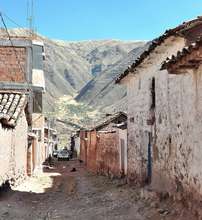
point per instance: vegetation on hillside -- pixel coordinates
(76, 115)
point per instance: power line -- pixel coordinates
(14, 22)
(9, 37)
(11, 20)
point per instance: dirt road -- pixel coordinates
(58, 193)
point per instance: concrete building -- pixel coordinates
(17, 98)
(164, 113)
(104, 148)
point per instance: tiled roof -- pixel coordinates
(180, 54)
(156, 42)
(11, 106)
(104, 122)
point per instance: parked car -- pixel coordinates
(55, 153)
(63, 155)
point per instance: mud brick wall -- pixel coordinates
(29, 161)
(177, 161)
(83, 148)
(108, 158)
(139, 108)
(13, 152)
(123, 136)
(92, 151)
(77, 146)
(38, 123)
(12, 64)
(176, 131)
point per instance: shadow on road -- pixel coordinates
(53, 179)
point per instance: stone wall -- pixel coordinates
(13, 151)
(12, 64)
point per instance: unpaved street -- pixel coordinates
(58, 193)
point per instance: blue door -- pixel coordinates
(149, 163)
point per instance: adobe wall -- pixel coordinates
(139, 102)
(38, 123)
(177, 164)
(20, 137)
(13, 151)
(108, 154)
(176, 132)
(12, 64)
(92, 151)
(83, 148)
(123, 135)
(77, 146)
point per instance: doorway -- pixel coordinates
(149, 158)
(123, 156)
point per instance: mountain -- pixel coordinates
(84, 69)
(101, 90)
(71, 65)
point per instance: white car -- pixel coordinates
(55, 153)
(63, 155)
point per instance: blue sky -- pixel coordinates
(103, 19)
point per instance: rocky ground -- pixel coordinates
(58, 193)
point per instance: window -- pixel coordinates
(38, 57)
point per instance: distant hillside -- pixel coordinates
(85, 70)
(71, 66)
(101, 90)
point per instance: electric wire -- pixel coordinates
(14, 22)
(9, 37)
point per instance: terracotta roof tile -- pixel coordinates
(180, 54)
(107, 120)
(156, 42)
(11, 106)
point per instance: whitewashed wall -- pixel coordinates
(139, 101)
(123, 135)
(77, 146)
(13, 151)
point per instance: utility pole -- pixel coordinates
(30, 17)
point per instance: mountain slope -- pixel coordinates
(101, 91)
(89, 66)
(71, 65)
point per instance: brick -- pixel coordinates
(9, 65)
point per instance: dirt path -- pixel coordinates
(58, 193)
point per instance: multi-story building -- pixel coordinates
(21, 89)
